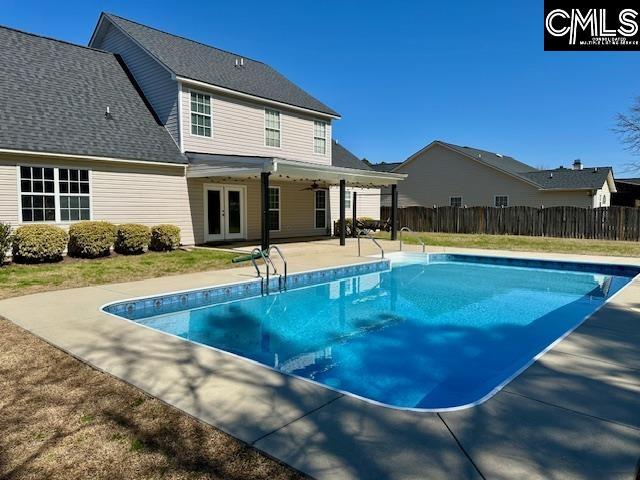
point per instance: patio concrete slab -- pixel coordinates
(350, 438)
(511, 436)
(580, 384)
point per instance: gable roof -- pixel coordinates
(341, 157)
(197, 61)
(554, 179)
(385, 167)
(54, 97)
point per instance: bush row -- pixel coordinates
(89, 239)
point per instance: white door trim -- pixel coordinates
(224, 224)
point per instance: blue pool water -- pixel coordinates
(430, 333)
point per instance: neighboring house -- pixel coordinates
(627, 194)
(446, 174)
(149, 127)
(367, 199)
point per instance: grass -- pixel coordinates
(522, 243)
(63, 419)
(18, 279)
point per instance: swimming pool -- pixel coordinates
(424, 332)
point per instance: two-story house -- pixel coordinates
(144, 126)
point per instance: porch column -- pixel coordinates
(394, 212)
(264, 190)
(343, 229)
(354, 204)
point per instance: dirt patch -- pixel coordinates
(60, 418)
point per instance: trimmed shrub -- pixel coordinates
(91, 239)
(5, 240)
(164, 238)
(39, 243)
(132, 238)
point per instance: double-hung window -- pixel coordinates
(200, 114)
(49, 194)
(347, 199)
(271, 128)
(455, 201)
(320, 137)
(274, 208)
(321, 209)
(501, 201)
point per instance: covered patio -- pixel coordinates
(241, 198)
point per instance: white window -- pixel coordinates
(455, 201)
(41, 201)
(271, 128)
(347, 199)
(501, 201)
(320, 137)
(274, 208)
(321, 209)
(200, 114)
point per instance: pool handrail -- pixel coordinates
(407, 229)
(363, 233)
(257, 253)
(275, 271)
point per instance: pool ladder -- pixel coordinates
(407, 229)
(268, 263)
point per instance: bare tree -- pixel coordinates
(628, 129)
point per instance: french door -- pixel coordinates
(224, 212)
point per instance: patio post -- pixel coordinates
(264, 187)
(354, 204)
(394, 212)
(343, 227)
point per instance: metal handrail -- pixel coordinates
(266, 264)
(284, 262)
(407, 229)
(359, 234)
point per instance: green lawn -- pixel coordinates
(24, 279)
(521, 243)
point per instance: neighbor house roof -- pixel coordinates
(568, 179)
(555, 179)
(384, 166)
(341, 157)
(632, 181)
(197, 61)
(54, 97)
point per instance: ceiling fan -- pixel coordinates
(313, 187)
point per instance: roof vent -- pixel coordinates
(550, 174)
(107, 113)
(499, 155)
(577, 164)
(595, 169)
(239, 62)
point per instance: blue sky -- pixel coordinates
(404, 73)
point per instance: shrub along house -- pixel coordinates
(147, 127)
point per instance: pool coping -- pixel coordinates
(389, 261)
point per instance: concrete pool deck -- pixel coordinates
(574, 413)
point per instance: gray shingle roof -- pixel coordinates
(341, 157)
(385, 167)
(197, 61)
(54, 95)
(503, 162)
(569, 179)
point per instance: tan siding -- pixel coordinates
(120, 193)
(367, 204)
(439, 173)
(238, 129)
(296, 209)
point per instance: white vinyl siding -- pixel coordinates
(239, 129)
(320, 137)
(154, 80)
(200, 114)
(271, 128)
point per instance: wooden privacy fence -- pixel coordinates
(606, 223)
